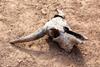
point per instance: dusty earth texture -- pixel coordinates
(22, 17)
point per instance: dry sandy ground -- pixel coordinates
(21, 17)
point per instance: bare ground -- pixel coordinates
(21, 17)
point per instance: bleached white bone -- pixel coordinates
(58, 23)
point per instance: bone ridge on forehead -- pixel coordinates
(57, 23)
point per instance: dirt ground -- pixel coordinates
(22, 17)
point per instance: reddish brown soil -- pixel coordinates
(21, 17)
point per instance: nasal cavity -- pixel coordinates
(54, 33)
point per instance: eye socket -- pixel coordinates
(66, 29)
(54, 33)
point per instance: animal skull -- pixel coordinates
(59, 30)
